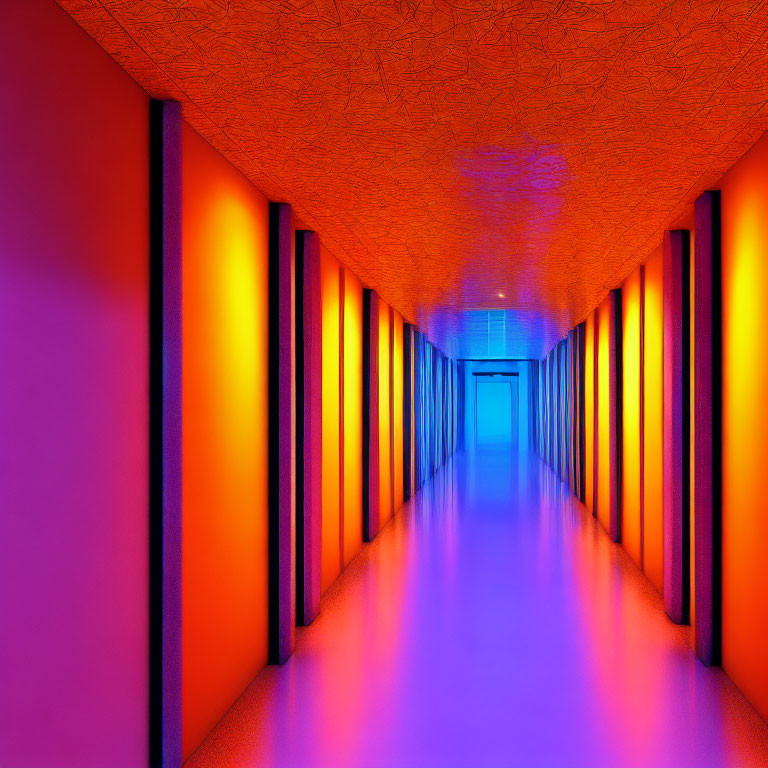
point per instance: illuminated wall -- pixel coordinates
(606, 415)
(744, 546)
(745, 424)
(385, 416)
(397, 410)
(353, 410)
(653, 403)
(434, 405)
(74, 245)
(225, 240)
(331, 526)
(560, 435)
(590, 351)
(632, 413)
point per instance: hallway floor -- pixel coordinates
(491, 623)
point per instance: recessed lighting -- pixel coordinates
(500, 295)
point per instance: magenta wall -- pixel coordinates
(73, 398)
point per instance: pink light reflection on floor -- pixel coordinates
(491, 623)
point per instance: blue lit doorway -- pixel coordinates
(496, 410)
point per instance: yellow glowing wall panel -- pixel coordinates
(385, 498)
(745, 424)
(331, 532)
(653, 405)
(397, 420)
(353, 408)
(225, 416)
(631, 490)
(589, 411)
(603, 490)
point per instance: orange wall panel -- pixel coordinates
(331, 531)
(631, 349)
(384, 415)
(745, 424)
(353, 410)
(589, 411)
(653, 404)
(397, 421)
(225, 361)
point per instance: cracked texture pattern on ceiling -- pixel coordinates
(503, 154)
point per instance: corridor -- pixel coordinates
(491, 623)
(383, 384)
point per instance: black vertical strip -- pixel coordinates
(366, 411)
(165, 445)
(461, 406)
(273, 439)
(619, 415)
(407, 407)
(686, 484)
(717, 432)
(301, 544)
(156, 433)
(418, 407)
(595, 425)
(581, 372)
(433, 426)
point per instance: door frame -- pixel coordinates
(504, 375)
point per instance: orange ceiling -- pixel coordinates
(508, 154)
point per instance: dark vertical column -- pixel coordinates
(433, 409)
(407, 411)
(548, 408)
(536, 374)
(391, 409)
(615, 413)
(571, 420)
(675, 477)
(557, 406)
(565, 379)
(545, 409)
(342, 292)
(582, 435)
(445, 403)
(554, 454)
(282, 440)
(371, 472)
(556, 409)
(707, 426)
(309, 403)
(418, 407)
(536, 367)
(165, 433)
(596, 414)
(461, 407)
(553, 356)
(563, 398)
(452, 406)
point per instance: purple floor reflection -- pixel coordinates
(491, 623)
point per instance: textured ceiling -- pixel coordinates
(509, 154)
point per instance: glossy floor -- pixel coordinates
(491, 623)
